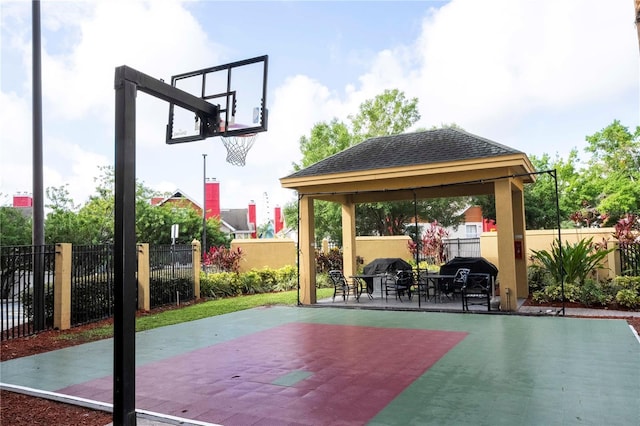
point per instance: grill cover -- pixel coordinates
(476, 265)
(383, 265)
(386, 264)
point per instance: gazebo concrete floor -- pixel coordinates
(320, 366)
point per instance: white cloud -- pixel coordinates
(15, 150)
(494, 65)
(483, 62)
(506, 70)
(154, 37)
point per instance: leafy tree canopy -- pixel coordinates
(92, 223)
(389, 113)
(611, 178)
(601, 190)
(15, 228)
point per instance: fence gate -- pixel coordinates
(629, 259)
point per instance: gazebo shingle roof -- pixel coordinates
(408, 149)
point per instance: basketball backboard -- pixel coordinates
(239, 89)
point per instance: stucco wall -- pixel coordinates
(276, 253)
(542, 240)
(269, 252)
(370, 248)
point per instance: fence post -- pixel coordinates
(613, 258)
(62, 287)
(144, 296)
(325, 246)
(196, 268)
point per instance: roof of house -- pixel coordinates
(235, 219)
(177, 194)
(428, 147)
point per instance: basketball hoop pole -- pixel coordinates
(127, 82)
(204, 206)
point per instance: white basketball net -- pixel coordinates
(237, 147)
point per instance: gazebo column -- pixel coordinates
(506, 252)
(520, 239)
(349, 265)
(307, 264)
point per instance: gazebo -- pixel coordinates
(430, 164)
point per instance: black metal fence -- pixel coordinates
(19, 310)
(92, 281)
(171, 276)
(629, 259)
(462, 247)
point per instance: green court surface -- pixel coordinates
(493, 369)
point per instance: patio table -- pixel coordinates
(434, 279)
(364, 281)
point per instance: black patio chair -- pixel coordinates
(398, 284)
(449, 287)
(476, 291)
(341, 286)
(423, 285)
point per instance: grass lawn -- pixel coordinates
(198, 311)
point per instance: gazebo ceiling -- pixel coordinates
(434, 163)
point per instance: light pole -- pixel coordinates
(204, 205)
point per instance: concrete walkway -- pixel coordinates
(311, 366)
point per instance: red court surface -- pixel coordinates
(296, 373)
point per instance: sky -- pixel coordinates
(538, 76)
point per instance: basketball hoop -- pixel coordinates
(237, 147)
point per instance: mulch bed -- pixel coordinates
(22, 410)
(18, 410)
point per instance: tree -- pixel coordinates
(325, 140)
(215, 237)
(62, 224)
(389, 113)
(386, 114)
(15, 228)
(539, 197)
(611, 180)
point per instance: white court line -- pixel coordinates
(101, 406)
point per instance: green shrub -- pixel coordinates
(286, 278)
(91, 300)
(553, 293)
(631, 283)
(593, 293)
(287, 273)
(164, 291)
(628, 294)
(323, 281)
(226, 284)
(219, 284)
(628, 298)
(251, 282)
(26, 298)
(576, 263)
(268, 278)
(424, 265)
(538, 278)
